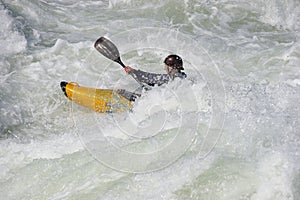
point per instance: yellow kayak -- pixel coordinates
(99, 100)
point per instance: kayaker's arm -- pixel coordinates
(150, 79)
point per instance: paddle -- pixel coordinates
(109, 50)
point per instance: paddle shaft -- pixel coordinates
(118, 60)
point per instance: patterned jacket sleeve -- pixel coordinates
(150, 79)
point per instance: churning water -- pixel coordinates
(230, 131)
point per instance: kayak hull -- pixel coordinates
(99, 100)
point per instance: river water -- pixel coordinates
(230, 131)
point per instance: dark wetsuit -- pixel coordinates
(153, 79)
(148, 79)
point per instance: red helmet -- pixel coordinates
(174, 61)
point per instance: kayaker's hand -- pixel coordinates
(127, 69)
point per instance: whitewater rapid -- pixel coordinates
(230, 131)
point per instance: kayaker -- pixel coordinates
(173, 68)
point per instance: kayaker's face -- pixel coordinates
(168, 69)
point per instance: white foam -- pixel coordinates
(282, 14)
(274, 177)
(294, 83)
(11, 41)
(113, 3)
(16, 155)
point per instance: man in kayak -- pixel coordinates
(173, 68)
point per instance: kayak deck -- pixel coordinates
(99, 100)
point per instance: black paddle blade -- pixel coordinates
(108, 49)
